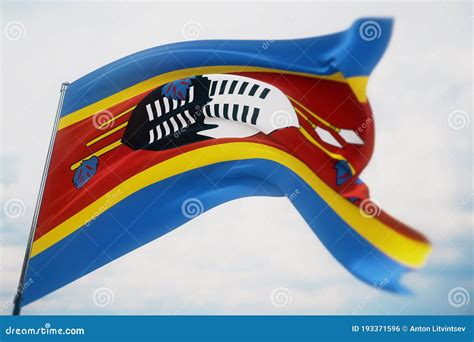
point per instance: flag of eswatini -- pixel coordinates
(152, 140)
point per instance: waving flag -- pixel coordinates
(154, 139)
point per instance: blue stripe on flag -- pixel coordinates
(353, 52)
(104, 239)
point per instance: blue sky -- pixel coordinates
(233, 258)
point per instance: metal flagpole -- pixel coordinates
(21, 283)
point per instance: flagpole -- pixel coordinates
(21, 283)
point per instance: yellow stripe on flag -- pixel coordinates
(405, 250)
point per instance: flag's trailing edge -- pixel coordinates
(150, 141)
